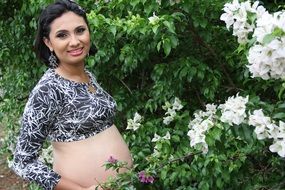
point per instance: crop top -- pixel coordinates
(59, 110)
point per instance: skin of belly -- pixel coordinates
(82, 161)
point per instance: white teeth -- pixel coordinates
(75, 51)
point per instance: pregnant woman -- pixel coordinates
(69, 108)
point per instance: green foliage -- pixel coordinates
(188, 53)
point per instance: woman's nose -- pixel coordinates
(74, 41)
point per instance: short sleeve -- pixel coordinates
(35, 125)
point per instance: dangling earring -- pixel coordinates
(52, 60)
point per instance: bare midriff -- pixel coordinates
(82, 161)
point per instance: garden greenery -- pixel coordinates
(198, 107)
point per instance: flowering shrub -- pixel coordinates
(267, 37)
(213, 139)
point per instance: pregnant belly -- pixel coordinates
(82, 161)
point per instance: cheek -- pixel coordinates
(87, 41)
(60, 46)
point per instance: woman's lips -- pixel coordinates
(76, 52)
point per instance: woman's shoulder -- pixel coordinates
(47, 85)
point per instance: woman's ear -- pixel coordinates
(47, 43)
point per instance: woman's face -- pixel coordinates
(69, 38)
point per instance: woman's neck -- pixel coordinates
(75, 73)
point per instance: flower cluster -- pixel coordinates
(112, 160)
(145, 178)
(265, 128)
(159, 138)
(233, 110)
(202, 122)
(266, 56)
(268, 60)
(171, 110)
(134, 124)
(238, 16)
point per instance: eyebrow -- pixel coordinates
(64, 31)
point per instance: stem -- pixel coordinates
(180, 158)
(199, 99)
(125, 85)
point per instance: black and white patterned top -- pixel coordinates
(59, 110)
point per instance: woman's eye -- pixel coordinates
(61, 35)
(80, 30)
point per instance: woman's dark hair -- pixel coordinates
(48, 15)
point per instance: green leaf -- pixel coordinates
(158, 46)
(175, 138)
(163, 174)
(268, 38)
(155, 28)
(280, 115)
(113, 29)
(170, 26)
(166, 46)
(174, 41)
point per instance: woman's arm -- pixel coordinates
(35, 127)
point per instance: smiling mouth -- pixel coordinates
(76, 52)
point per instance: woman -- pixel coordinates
(69, 108)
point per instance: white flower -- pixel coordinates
(230, 9)
(177, 104)
(260, 121)
(134, 124)
(206, 125)
(171, 110)
(156, 138)
(272, 130)
(153, 19)
(197, 140)
(196, 137)
(200, 125)
(261, 132)
(264, 26)
(155, 152)
(137, 118)
(279, 147)
(211, 109)
(167, 120)
(167, 136)
(204, 148)
(159, 138)
(233, 110)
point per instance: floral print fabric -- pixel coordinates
(59, 110)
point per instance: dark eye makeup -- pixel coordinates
(80, 29)
(63, 33)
